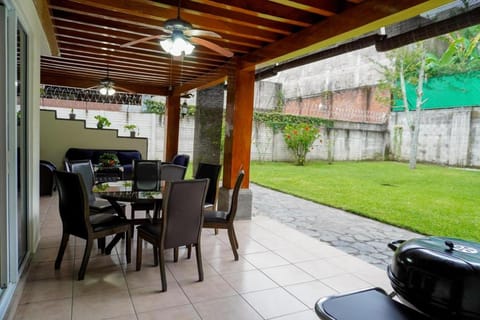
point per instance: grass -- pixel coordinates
(431, 200)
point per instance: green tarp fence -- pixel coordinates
(453, 91)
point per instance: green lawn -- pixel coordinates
(431, 199)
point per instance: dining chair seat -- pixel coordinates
(216, 216)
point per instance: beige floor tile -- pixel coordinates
(231, 308)
(321, 269)
(152, 298)
(346, 283)
(147, 277)
(187, 269)
(226, 265)
(322, 250)
(45, 310)
(106, 281)
(310, 292)
(287, 275)
(176, 313)
(126, 317)
(46, 270)
(265, 260)
(304, 315)
(102, 306)
(249, 281)
(250, 246)
(209, 289)
(295, 254)
(50, 254)
(47, 289)
(274, 302)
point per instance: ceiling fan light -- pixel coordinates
(189, 48)
(110, 91)
(103, 90)
(166, 45)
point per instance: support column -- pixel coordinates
(238, 139)
(208, 126)
(172, 124)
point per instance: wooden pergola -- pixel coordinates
(87, 38)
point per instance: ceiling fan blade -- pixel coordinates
(204, 33)
(122, 89)
(92, 88)
(131, 43)
(212, 46)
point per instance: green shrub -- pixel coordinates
(299, 139)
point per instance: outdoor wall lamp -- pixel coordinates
(184, 109)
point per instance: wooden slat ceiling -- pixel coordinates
(90, 34)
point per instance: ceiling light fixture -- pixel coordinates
(177, 44)
(107, 87)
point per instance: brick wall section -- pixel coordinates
(355, 105)
(82, 105)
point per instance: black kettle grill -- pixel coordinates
(437, 277)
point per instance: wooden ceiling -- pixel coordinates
(86, 37)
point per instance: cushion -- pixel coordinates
(126, 157)
(215, 216)
(79, 154)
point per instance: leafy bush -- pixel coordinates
(299, 139)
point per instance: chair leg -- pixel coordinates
(163, 276)
(216, 231)
(101, 244)
(61, 250)
(235, 237)
(198, 253)
(189, 253)
(138, 265)
(175, 254)
(233, 242)
(155, 255)
(86, 257)
(128, 249)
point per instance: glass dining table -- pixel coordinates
(122, 191)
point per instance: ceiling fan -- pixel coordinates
(180, 37)
(107, 87)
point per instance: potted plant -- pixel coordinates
(102, 121)
(132, 128)
(71, 115)
(108, 160)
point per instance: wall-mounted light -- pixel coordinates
(177, 44)
(184, 109)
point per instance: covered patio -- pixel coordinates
(114, 44)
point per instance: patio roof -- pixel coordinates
(87, 37)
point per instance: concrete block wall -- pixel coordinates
(447, 136)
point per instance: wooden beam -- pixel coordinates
(43, 13)
(366, 17)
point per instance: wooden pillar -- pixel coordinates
(238, 127)
(172, 124)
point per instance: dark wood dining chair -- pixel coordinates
(224, 219)
(212, 172)
(85, 169)
(77, 220)
(172, 172)
(146, 177)
(180, 225)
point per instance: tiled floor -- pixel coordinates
(280, 275)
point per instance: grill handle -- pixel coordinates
(394, 244)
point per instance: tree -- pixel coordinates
(299, 139)
(407, 64)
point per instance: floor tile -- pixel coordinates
(47, 289)
(152, 298)
(231, 308)
(304, 315)
(176, 313)
(249, 281)
(310, 292)
(100, 306)
(287, 275)
(45, 310)
(274, 302)
(320, 269)
(265, 259)
(346, 282)
(226, 265)
(208, 289)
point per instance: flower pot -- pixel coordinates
(132, 134)
(72, 116)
